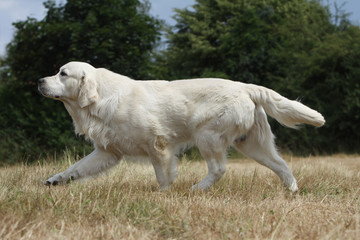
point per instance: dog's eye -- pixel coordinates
(63, 74)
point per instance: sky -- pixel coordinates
(17, 10)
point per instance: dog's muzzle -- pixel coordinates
(42, 89)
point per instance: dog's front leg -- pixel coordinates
(93, 164)
(165, 170)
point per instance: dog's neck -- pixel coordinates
(93, 121)
(77, 114)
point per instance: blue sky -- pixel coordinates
(15, 10)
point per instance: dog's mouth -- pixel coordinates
(46, 93)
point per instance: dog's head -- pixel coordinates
(75, 81)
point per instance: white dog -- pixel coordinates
(157, 119)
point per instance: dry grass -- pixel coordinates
(248, 203)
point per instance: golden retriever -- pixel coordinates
(156, 119)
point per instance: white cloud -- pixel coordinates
(6, 4)
(164, 9)
(13, 11)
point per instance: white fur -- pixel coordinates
(157, 119)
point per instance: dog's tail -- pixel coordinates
(287, 112)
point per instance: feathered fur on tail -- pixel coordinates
(287, 112)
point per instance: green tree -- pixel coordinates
(117, 34)
(296, 47)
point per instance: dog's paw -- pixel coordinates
(201, 186)
(55, 180)
(293, 187)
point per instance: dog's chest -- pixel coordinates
(119, 137)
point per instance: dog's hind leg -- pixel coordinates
(259, 145)
(213, 149)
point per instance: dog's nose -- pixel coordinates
(41, 80)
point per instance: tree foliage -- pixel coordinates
(116, 34)
(295, 47)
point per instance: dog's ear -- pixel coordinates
(88, 93)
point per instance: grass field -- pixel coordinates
(249, 202)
